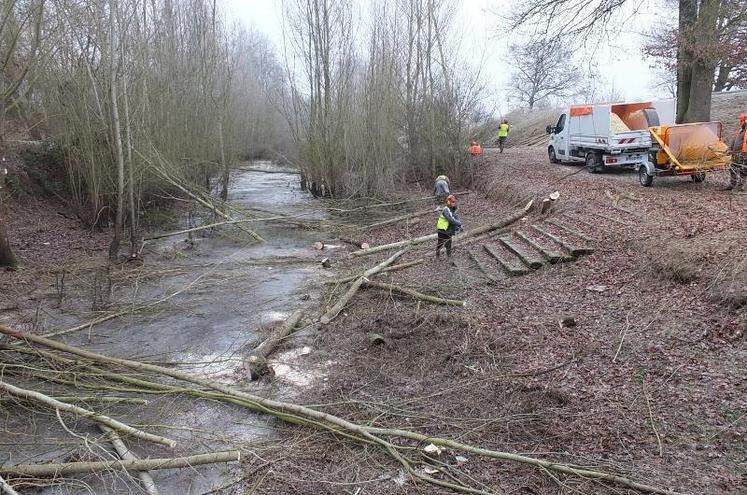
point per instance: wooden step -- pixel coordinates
(483, 269)
(574, 232)
(551, 255)
(574, 250)
(526, 257)
(512, 268)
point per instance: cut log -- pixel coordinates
(353, 242)
(332, 313)
(318, 245)
(388, 269)
(483, 269)
(256, 363)
(525, 256)
(570, 230)
(513, 269)
(415, 294)
(573, 250)
(431, 237)
(70, 408)
(401, 218)
(124, 453)
(70, 468)
(545, 207)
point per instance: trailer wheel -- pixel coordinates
(643, 176)
(551, 155)
(698, 177)
(594, 162)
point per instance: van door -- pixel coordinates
(560, 138)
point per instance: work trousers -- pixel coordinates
(501, 142)
(444, 239)
(738, 171)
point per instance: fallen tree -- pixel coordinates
(515, 217)
(68, 468)
(256, 363)
(73, 409)
(307, 416)
(124, 453)
(392, 268)
(414, 294)
(332, 313)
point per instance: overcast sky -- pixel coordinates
(620, 61)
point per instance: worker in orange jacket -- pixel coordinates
(475, 149)
(738, 148)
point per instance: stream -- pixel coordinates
(234, 289)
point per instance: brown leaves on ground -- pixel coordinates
(658, 347)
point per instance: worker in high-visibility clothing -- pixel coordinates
(738, 148)
(503, 134)
(475, 149)
(441, 189)
(447, 225)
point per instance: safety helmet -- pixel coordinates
(743, 118)
(451, 200)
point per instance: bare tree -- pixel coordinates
(697, 30)
(543, 70)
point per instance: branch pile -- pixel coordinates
(402, 446)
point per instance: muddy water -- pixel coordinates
(235, 289)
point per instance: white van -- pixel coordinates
(607, 134)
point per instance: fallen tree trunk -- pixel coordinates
(261, 170)
(415, 294)
(5, 488)
(332, 313)
(307, 416)
(392, 268)
(256, 363)
(70, 468)
(196, 197)
(400, 218)
(213, 225)
(358, 244)
(124, 453)
(431, 237)
(397, 203)
(73, 409)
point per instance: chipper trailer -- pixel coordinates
(639, 135)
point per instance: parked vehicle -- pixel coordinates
(640, 135)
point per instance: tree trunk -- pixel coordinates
(226, 172)
(256, 362)
(69, 468)
(116, 130)
(7, 258)
(722, 78)
(688, 14)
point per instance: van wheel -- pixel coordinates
(593, 162)
(643, 176)
(698, 177)
(551, 155)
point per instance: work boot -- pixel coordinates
(728, 188)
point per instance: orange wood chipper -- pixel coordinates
(686, 149)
